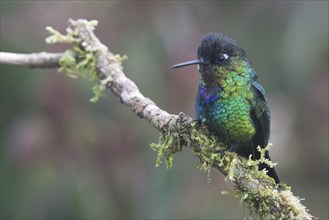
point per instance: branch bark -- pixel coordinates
(260, 194)
(37, 60)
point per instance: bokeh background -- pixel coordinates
(63, 157)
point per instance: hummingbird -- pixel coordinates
(230, 101)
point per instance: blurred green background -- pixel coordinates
(63, 157)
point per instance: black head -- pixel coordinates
(215, 48)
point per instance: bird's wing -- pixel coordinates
(260, 115)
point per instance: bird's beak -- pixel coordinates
(188, 63)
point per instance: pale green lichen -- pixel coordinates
(99, 91)
(57, 37)
(262, 158)
(259, 200)
(80, 61)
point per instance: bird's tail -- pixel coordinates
(270, 171)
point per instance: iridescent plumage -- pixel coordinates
(230, 100)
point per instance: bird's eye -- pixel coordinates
(222, 57)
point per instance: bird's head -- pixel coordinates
(216, 49)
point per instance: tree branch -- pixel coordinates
(40, 60)
(254, 188)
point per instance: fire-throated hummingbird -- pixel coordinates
(230, 100)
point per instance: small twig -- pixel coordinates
(33, 60)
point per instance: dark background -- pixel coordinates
(63, 157)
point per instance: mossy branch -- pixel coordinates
(91, 59)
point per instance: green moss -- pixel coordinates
(212, 154)
(203, 145)
(255, 202)
(259, 200)
(169, 143)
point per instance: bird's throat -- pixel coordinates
(209, 75)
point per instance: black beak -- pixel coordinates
(188, 63)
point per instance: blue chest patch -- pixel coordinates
(206, 97)
(209, 95)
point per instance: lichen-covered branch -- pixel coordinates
(253, 188)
